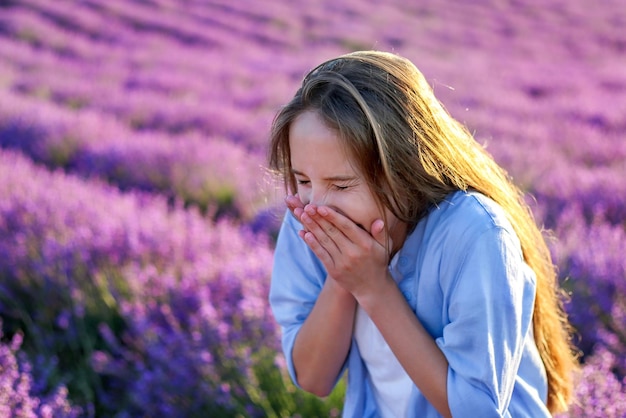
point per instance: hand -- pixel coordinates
(353, 257)
(295, 205)
(293, 202)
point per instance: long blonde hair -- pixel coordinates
(413, 154)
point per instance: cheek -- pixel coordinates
(359, 211)
(368, 213)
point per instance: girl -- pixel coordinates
(408, 257)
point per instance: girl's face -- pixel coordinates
(326, 176)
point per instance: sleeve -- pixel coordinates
(489, 298)
(297, 279)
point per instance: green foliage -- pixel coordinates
(62, 153)
(61, 323)
(279, 397)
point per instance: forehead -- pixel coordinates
(314, 146)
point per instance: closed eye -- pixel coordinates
(302, 182)
(337, 187)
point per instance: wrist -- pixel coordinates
(332, 286)
(378, 292)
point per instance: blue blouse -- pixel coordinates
(464, 276)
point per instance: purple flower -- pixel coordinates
(172, 106)
(599, 393)
(18, 396)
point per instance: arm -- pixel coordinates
(359, 261)
(490, 295)
(472, 368)
(410, 342)
(323, 342)
(315, 314)
(488, 290)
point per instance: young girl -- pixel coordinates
(408, 257)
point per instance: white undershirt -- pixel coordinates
(390, 383)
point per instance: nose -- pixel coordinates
(315, 195)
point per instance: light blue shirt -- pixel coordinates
(464, 276)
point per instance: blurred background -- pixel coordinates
(137, 220)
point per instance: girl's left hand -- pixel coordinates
(356, 259)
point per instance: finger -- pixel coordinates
(381, 235)
(341, 223)
(327, 236)
(295, 206)
(297, 212)
(293, 202)
(313, 211)
(378, 232)
(328, 227)
(319, 250)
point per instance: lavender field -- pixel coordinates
(137, 219)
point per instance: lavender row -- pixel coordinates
(167, 305)
(143, 83)
(590, 258)
(144, 300)
(598, 274)
(573, 163)
(532, 109)
(548, 107)
(204, 172)
(128, 78)
(149, 81)
(313, 27)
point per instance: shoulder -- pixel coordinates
(452, 228)
(468, 240)
(467, 213)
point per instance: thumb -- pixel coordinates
(380, 235)
(378, 232)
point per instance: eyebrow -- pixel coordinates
(331, 178)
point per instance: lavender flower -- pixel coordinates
(599, 392)
(187, 297)
(18, 398)
(594, 276)
(171, 105)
